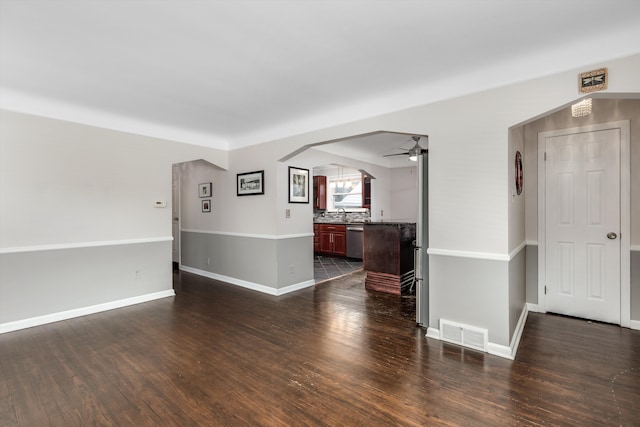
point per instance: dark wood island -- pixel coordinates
(389, 256)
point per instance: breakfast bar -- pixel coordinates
(389, 256)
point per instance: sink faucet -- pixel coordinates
(344, 213)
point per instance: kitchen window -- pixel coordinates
(344, 192)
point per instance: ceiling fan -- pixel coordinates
(413, 152)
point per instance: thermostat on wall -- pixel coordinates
(160, 204)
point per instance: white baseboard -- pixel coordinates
(79, 312)
(634, 324)
(249, 285)
(508, 352)
(500, 350)
(534, 308)
(517, 334)
(433, 333)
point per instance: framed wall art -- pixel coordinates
(594, 80)
(298, 185)
(250, 183)
(206, 206)
(204, 189)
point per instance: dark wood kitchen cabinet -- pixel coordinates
(316, 237)
(333, 239)
(366, 192)
(319, 192)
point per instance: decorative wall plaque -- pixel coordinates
(592, 81)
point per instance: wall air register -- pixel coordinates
(464, 335)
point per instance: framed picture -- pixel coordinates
(250, 183)
(298, 185)
(204, 189)
(206, 206)
(592, 81)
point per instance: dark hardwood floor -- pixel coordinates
(332, 355)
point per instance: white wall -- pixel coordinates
(77, 222)
(515, 201)
(404, 194)
(69, 183)
(470, 171)
(191, 175)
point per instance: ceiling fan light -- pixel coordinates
(415, 152)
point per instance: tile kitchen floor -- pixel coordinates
(327, 267)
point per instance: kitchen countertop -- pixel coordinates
(390, 223)
(365, 222)
(339, 222)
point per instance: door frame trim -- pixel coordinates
(176, 175)
(625, 212)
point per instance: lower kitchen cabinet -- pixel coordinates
(316, 237)
(333, 239)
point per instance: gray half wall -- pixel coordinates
(532, 273)
(517, 289)
(46, 282)
(635, 285)
(272, 262)
(471, 291)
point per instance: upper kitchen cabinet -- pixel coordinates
(366, 192)
(319, 192)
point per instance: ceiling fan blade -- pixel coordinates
(399, 154)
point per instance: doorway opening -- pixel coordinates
(396, 193)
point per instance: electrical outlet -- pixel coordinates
(208, 261)
(381, 212)
(138, 273)
(292, 269)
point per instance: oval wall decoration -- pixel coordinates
(519, 175)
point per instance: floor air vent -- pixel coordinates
(464, 335)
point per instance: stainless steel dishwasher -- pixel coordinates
(354, 241)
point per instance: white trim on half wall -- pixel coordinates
(252, 236)
(249, 285)
(83, 311)
(80, 245)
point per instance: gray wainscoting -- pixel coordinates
(270, 262)
(635, 285)
(45, 282)
(517, 289)
(471, 291)
(532, 273)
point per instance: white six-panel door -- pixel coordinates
(582, 249)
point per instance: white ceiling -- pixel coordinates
(231, 73)
(387, 149)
